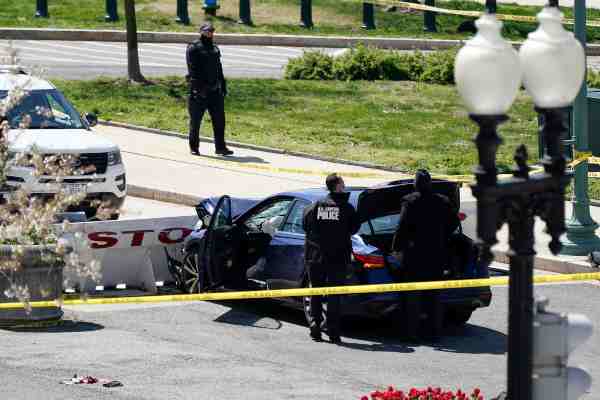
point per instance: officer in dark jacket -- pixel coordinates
(427, 220)
(329, 225)
(207, 89)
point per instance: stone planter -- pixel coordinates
(42, 272)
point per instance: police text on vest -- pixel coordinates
(328, 213)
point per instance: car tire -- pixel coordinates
(458, 316)
(193, 276)
(306, 307)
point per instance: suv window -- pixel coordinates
(276, 209)
(293, 223)
(43, 109)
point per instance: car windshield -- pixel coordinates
(43, 109)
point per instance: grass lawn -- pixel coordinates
(401, 124)
(331, 17)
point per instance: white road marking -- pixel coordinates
(237, 58)
(82, 59)
(77, 49)
(257, 52)
(89, 62)
(291, 50)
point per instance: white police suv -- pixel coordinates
(44, 120)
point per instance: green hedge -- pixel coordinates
(370, 64)
(367, 63)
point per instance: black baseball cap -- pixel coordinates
(207, 27)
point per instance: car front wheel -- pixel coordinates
(193, 277)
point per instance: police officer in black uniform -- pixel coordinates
(329, 224)
(208, 89)
(427, 220)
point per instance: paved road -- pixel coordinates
(86, 60)
(260, 350)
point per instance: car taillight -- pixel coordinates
(370, 261)
(462, 216)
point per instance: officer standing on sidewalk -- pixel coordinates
(208, 89)
(329, 224)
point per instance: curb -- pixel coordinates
(90, 35)
(550, 264)
(256, 147)
(162, 195)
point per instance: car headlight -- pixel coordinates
(114, 158)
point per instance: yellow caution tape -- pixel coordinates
(474, 14)
(334, 290)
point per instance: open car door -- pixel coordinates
(221, 244)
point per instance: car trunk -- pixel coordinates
(375, 203)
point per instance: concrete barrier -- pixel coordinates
(240, 39)
(131, 252)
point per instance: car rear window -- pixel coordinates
(381, 225)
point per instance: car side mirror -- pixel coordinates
(206, 220)
(91, 119)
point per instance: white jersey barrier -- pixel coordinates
(131, 252)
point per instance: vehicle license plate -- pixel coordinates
(74, 188)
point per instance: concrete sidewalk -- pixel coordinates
(160, 167)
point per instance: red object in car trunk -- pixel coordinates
(370, 261)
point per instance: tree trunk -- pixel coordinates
(133, 60)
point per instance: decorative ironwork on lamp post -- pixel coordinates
(488, 74)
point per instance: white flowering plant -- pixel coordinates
(26, 220)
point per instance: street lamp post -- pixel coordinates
(488, 74)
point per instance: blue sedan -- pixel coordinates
(244, 244)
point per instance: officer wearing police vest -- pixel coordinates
(329, 224)
(208, 89)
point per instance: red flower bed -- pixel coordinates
(424, 394)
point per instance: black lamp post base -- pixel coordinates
(580, 239)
